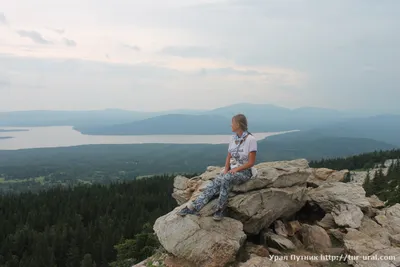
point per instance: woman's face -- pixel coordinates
(235, 126)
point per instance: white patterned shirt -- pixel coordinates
(240, 152)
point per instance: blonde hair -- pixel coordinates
(242, 121)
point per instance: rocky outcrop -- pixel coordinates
(200, 239)
(288, 208)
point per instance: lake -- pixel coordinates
(61, 136)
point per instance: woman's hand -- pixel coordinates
(233, 171)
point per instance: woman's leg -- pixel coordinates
(227, 181)
(209, 192)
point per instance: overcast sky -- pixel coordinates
(199, 54)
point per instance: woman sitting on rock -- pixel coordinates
(238, 169)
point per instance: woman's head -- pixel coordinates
(239, 123)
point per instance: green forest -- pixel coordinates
(386, 187)
(36, 169)
(86, 225)
(362, 161)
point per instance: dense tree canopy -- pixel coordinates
(83, 225)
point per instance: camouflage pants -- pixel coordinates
(221, 184)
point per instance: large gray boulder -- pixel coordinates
(334, 193)
(347, 215)
(180, 193)
(374, 230)
(323, 175)
(200, 240)
(358, 243)
(258, 209)
(315, 238)
(388, 257)
(389, 218)
(277, 174)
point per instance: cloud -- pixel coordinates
(193, 51)
(132, 47)
(83, 84)
(231, 71)
(34, 36)
(345, 53)
(59, 31)
(4, 84)
(69, 42)
(3, 19)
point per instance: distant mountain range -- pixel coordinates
(383, 128)
(314, 123)
(275, 117)
(166, 124)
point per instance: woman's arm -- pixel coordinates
(249, 164)
(228, 162)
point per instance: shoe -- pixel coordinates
(185, 211)
(218, 215)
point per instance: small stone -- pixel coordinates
(395, 240)
(375, 202)
(293, 227)
(296, 241)
(337, 233)
(327, 222)
(277, 241)
(315, 238)
(371, 212)
(280, 228)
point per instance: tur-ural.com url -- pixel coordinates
(342, 257)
